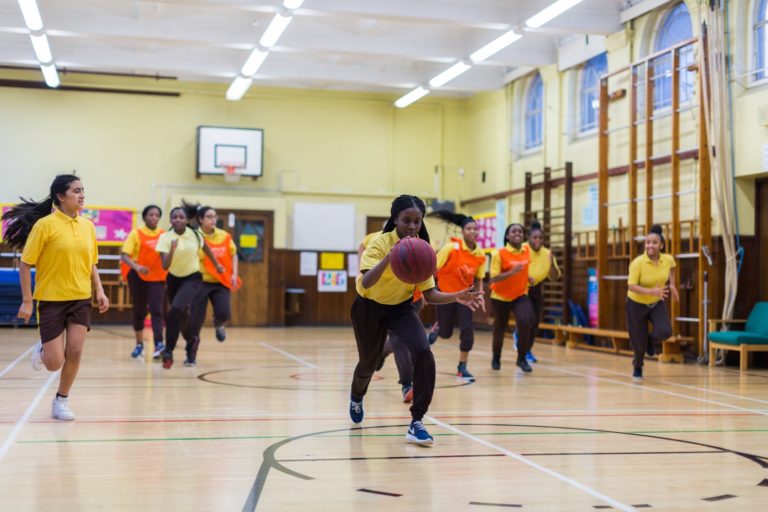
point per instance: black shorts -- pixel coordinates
(53, 316)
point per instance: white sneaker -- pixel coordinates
(60, 409)
(37, 356)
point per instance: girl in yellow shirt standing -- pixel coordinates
(650, 282)
(179, 251)
(61, 245)
(460, 265)
(217, 286)
(385, 305)
(543, 266)
(509, 285)
(142, 268)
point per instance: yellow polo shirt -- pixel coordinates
(540, 265)
(445, 252)
(644, 272)
(368, 238)
(185, 260)
(132, 243)
(215, 238)
(388, 290)
(63, 250)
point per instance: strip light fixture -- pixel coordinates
(269, 38)
(34, 23)
(537, 20)
(548, 14)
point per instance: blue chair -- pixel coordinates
(754, 337)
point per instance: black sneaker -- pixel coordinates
(190, 362)
(463, 374)
(221, 333)
(496, 362)
(432, 337)
(650, 349)
(524, 366)
(356, 411)
(637, 374)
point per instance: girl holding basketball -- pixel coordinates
(216, 286)
(143, 270)
(509, 285)
(179, 251)
(543, 266)
(651, 281)
(384, 304)
(460, 265)
(61, 245)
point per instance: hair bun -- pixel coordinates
(535, 224)
(657, 229)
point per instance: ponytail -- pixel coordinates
(404, 202)
(21, 217)
(449, 217)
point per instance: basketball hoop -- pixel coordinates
(231, 173)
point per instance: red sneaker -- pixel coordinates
(167, 362)
(407, 394)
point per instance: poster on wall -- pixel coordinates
(486, 231)
(501, 222)
(590, 211)
(332, 281)
(592, 304)
(112, 223)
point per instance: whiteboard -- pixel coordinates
(324, 226)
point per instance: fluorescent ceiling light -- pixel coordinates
(449, 74)
(292, 4)
(41, 47)
(553, 11)
(50, 75)
(254, 62)
(31, 14)
(238, 87)
(495, 46)
(275, 29)
(412, 96)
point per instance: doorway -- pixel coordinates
(761, 227)
(252, 233)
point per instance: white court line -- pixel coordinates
(520, 458)
(25, 417)
(288, 355)
(16, 361)
(642, 387)
(668, 383)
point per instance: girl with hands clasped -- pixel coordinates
(61, 245)
(384, 305)
(649, 275)
(509, 285)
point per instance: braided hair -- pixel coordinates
(458, 219)
(405, 202)
(23, 216)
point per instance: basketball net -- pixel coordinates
(231, 173)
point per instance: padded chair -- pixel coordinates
(754, 337)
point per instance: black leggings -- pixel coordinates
(537, 301)
(181, 294)
(371, 322)
(446, 317)
(638, 316)
(147, 295)
(524, 319)
(219, 296)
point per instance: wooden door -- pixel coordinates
(761, 213)
(374, 224)
(252, 233)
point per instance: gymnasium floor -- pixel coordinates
(261, 424)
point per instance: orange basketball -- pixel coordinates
(413, 260)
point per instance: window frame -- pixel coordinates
(530, 146)
(686, 94)
(590, 65)
(758, 20)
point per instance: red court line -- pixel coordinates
(402, 417)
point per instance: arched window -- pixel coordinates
(534, 113)
(589, 92)
(761, 20)
(675, 27)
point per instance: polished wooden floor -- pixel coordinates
(261, 424)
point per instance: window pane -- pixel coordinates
(534, 113)
(675, 27)
(590, 92)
